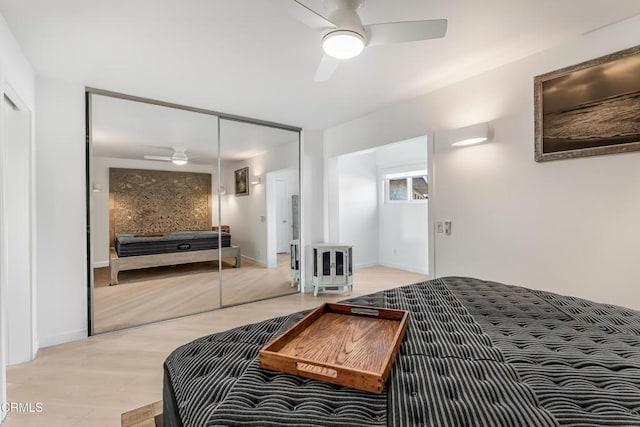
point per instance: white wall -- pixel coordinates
(402, 226)
(357, 189)
(246, 215)
(17, 77)
(61, 210)
(100, 200)
(566, 226)
(15, 68)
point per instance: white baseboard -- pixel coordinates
(403, 267)
(63, 338)
(257, 261)
(100, 264)
(365, 265)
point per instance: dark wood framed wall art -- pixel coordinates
(242, 182)
(589, 109)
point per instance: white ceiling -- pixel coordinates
(129, 130)
(248, 57)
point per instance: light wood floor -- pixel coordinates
(90, 383)
(152, 294)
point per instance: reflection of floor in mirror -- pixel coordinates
(159, 293)
(253, 282)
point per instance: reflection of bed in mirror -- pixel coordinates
(145, 250)
(162, 218)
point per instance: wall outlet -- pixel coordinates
(447, 227)
(439, 227)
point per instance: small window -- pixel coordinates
(406, 186)
(419, 188)
(398, 189)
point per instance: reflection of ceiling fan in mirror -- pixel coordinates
(344, 35)
(179, 156)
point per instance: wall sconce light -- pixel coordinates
(96, 188)
(222, 190)
(474, 134)
(256, 180)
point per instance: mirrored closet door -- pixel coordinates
(189, 210)
(259, 169)
(153, 207)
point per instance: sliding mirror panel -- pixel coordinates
(153, 206)
(260, 171)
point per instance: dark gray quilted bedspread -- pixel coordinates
(476, 353)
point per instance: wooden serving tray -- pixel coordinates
(350, 345)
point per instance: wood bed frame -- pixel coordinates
(118, 264)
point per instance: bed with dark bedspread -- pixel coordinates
(162, 243)
(476, 353)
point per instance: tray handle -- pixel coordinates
(365, 311)
(316, 369)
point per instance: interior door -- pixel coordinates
(18, 233)
(152, 172)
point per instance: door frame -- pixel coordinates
(271, 217)
(331, 199)
(282, 198)
(12, 96)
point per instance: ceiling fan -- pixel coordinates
(345, 37)
(179, 156)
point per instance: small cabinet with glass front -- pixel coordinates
(332, 267)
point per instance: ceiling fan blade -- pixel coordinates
(400, 32)
(177, 149)
(302, 13)
(163, 158)
(326, 68)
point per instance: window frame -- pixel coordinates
(408, 176)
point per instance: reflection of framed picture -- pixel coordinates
(589, 109)
(242, 182)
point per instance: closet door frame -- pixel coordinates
(89, 91)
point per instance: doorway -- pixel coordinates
(282, 195)
(379, 203)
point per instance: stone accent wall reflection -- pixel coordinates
(143, 201)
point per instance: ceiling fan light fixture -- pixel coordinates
(179, 159)
(343, 44)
